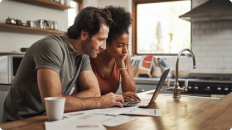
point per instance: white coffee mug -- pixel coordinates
(54, 107)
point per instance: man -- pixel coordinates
(52, 65)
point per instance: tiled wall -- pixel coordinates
(212, 46)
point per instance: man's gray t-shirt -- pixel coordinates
(53, 52)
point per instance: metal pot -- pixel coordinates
(30, 24)
(40, 24)
(10, 21)
(18, 22)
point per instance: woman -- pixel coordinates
(115, 59)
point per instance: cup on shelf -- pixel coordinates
(30, 24)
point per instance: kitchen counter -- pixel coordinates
(187, 113)
(146, 80)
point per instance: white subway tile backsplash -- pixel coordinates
(217, 36)
(212, 42)
(227, 36)
(206, 37)
(229, 66)
(196, 26)
(211, 66)
(217, 25)
(199, 32)
(206, 25)
(216, 60)
(224, 31)
(199, 54)
(227, 48)
(217, 48)
(227, 60)
(205, 60)
(195, 48)
(205, 70)
(195, 37)
(211, 31)
(194, 70)
(211, 54)
(227, 71)
(200, 65)
(199, 43)
(221, 65)
(224, 42)
(205, 48)
(217, 71)
(227, 24)
(223, 54)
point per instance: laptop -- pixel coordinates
(144, 103)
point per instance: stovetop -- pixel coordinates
(208, 79)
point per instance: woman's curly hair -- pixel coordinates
(122, 21)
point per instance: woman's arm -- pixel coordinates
(128, 82)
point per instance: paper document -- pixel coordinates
(72, 124)
(145, 112)
(118, 120)
(106, 111)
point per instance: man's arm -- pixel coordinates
(89, 85)
(50, 86)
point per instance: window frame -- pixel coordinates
(134, 25)
(80, 5)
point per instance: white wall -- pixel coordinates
(12, 41)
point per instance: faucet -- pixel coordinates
(177, 90)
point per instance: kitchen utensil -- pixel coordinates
(10, 21)
(30, 24)
(23, 49)
(50, 24)
(67, 2)
(46, 24)
(18, 22)
(40, 24)
(55, 25)
(59, 1)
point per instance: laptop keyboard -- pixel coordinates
(143, 102)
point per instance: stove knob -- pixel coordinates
(196, 88)
(219, 88)
(226, 89)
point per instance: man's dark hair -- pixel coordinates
(89, 19)
(122, 21)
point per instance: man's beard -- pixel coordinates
(88, 48)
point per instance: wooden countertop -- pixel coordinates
(186, 113)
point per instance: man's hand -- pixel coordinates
(110, 100)
(130, 96)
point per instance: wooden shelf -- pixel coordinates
(29, 29)
(47, 3)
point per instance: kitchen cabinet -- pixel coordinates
(48, 4)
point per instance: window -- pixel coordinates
(159, 29)
(72, 13)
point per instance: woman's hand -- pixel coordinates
(130, 96)
(120, 61)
